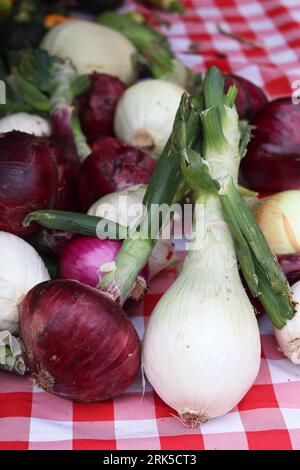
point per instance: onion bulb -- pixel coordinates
(25, 122)
(92, 48)
(21, 268)
(272, 161)
(279, 218)
(83, 257)
(28, 180)
(288, 337)
(201, 350)
(110, 167)
(145, 114)
(78, 344)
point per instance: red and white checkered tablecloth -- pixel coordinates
(269, 415)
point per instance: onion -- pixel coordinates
(92, 48)
(25, 122)
(78, 344)
(145, 114)
(250, 98)
(83, 257)
(96, 107)
(28, 180)
(110, 167)
(279, 219)
(21, 268)
(272, 163)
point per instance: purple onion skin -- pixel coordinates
(82, 257)
(290, 265)
(111, 166)
(97, 106)
(28, 180)
(272, 163)
(78, 344)
(250, 98)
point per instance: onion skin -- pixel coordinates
(111, 166)
(250, 98)
(97, 106)
(290, 265)
(28, 180)
(78, 344)
(272, 163)
(82, 258)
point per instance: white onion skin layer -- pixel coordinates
(288, 337)
(201, 351)
(21, 268)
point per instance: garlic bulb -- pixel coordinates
(92, 48)
(145, 114)
(279, 218)
(288, 337)
(201, 350)
(24, 122)
(122, 207)
(21, 268)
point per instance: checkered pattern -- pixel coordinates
(269, 415)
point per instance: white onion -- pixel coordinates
(279, 218)
(145, 114)
(92, 47)
(24, 122)
(21, 268)
(201, 350)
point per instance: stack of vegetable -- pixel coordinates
(89, 155)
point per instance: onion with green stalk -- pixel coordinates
(201, 350)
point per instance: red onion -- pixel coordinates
(97, 105)
(272, 163)
(250, 98)
(110, 167)
(290, 265)
(28, 180)
(66, 195)
(78, 344)
(82, 257)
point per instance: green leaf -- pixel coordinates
(31, 95)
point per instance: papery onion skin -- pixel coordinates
(272, 162)
(97, 106)
(28, 180)
(78, 344)
(110, 167)
(288, 337)
(250, 98)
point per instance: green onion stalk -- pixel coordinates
(154, 50)
(48, 85)
(215, 174)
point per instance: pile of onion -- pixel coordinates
(83, 348)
